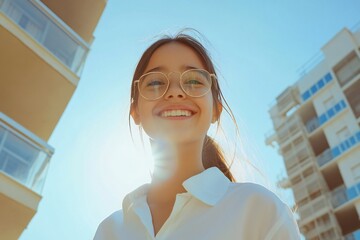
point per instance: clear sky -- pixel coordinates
(258, 46)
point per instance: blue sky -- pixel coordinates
(258, 46)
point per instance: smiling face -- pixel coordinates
(175, 117)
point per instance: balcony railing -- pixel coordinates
(316, 87)
(312, 124)
(48, 30)
(315, 205)
(288, 129)
(325, 157)
(342, 194)
(346, 145)
(323, 118)
(23, 156)
(330, 154)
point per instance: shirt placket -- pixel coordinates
(166, 230)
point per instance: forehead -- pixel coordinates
(175, 56)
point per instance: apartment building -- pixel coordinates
(43, 48)
(317, 130)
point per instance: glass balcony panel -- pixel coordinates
(320, 83)
(352, 140)
(23, 158)
(306, 95)
(314, 89)
(325, 157)
(47, 32)
(15, 167)
(312, 124)
(339, 196)
(2, 132)
(351, 193)
(22, 149)
(342, 194)
(337, 107)
(353, 236)
(322, 119)
(328, 77)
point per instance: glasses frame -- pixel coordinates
(211, 75)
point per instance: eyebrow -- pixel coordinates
(161, 68)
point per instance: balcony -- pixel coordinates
(346, 145)
(313, 209)
(323, 118)
(312, 125)
(343, 195)
(24, 160)
(81, 15)
(288, 129)
(324, 157)
(48, 30)
(35, 85)
(353, 96)
(287, 100)
(23, 156)
(347, 69)
(329, 154)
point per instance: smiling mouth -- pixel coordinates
(176, 113)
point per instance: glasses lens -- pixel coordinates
(196, 82)
(153, 85)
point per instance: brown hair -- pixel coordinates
(212, 154)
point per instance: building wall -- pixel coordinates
(321, 94)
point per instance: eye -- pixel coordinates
(155, 82)
(194, 82)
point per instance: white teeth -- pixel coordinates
(176, 113)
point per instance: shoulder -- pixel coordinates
(265, 212)
(109, 227)
(253, 193)
(257, 198)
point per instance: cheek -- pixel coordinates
(144, 112)
(207, 111)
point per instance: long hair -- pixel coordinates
(212, 154)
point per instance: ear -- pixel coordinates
(216, 114)
(135, 115)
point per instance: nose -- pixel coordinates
(175, 90)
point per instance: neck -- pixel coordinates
(173, 164)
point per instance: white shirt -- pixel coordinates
(213, 208)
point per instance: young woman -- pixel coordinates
(175, 97)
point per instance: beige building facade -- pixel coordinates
(43, 48)
(317, 130)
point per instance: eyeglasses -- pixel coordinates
(194, 82)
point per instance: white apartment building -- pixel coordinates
(317, 130)
(43, 48)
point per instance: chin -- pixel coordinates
(178, 137)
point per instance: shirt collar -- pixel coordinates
(209, 186)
